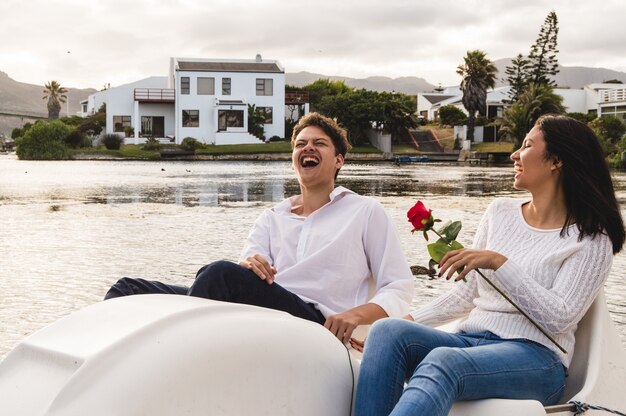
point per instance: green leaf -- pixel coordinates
(438, 250)
(456, 245)
(451, 230)
(425, 236)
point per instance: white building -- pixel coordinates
(206, 99)
(598, 99)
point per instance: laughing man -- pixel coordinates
(313, 255)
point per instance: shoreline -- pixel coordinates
(225, 157)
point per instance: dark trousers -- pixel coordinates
(225, 281)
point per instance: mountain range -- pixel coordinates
(568, 77)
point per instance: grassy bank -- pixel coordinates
(133, 151)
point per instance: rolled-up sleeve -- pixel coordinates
(389, 267)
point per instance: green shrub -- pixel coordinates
(450, 115)
(276, 139)
(152, 144)
(44, 141)
(256, 119)
(76, 139)
(112, 141)
(189, 143)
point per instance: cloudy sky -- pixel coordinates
(90, 43)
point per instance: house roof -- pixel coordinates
(435, 98)
(229, 66)
(495, 96)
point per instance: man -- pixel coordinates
(311, 255)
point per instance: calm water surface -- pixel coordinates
(68, 230)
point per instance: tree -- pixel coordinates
(479, 74)
(535, 101)
(55, 94)
(543, 62)
(609, 127)
(397, 114)
(323, 88)
(361, 110)
(612, 81)
(517, 76)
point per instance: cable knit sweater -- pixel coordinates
(553, 279)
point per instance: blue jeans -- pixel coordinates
(440, 368)
(228, 282)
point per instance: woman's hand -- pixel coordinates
(261, 267)
(469, 259)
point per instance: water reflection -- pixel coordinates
(382, 179)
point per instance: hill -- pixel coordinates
(19, 97)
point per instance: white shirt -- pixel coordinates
(328, 257)
(553, 279)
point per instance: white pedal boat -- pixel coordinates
(177, 355)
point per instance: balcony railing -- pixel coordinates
(611, 96)
(155, 95)
(296, 97)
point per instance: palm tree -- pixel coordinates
(479, 74)
(536, 100)
(55, 94)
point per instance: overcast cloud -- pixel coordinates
(91, 43)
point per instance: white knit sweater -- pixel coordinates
(553, 279)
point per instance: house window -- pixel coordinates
(225, 86)
(206, 86)
(264, 86)
(268, 114)
(191, 118)
(120, 122)
(229, 118)
(184, 85)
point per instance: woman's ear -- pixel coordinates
(556, 164)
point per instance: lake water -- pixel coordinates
(68, 230)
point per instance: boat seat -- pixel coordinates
(595, 375)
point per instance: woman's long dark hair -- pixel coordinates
(587, 185)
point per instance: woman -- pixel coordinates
(551, 254)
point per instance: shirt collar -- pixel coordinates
(336, 194)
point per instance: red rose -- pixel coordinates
(420, 217)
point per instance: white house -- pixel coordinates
(599, 99)
(206, 99)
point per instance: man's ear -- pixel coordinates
(339, 161)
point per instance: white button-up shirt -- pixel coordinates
(328, 257)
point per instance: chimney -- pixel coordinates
(258, 57)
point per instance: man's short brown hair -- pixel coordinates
(337, 134)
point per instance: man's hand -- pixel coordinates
(343, 324)
(261, 267)
(359, 345)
